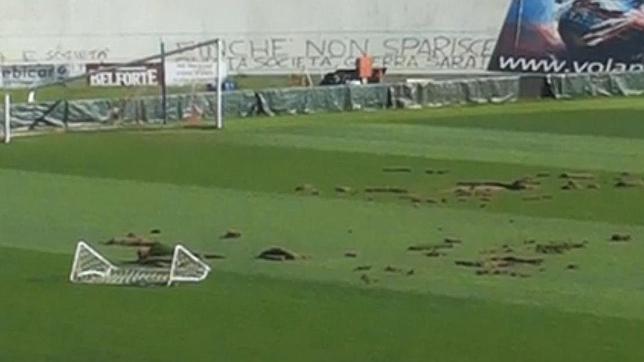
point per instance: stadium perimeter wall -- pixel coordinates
(415, 36)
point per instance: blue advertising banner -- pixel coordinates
(571, 36)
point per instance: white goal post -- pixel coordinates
(90, 267)
(6, 124)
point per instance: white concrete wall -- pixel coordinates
(261, 35)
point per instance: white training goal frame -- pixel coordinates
(90, 267)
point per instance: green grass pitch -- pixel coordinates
(578, 304)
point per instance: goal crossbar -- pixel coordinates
(90, 267)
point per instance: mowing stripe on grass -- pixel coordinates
(472, 144)
(51, 212)
(252, 318)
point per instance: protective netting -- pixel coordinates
(139, 109)
(138, 276)
(568, 86)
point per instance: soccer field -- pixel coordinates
(464, 234)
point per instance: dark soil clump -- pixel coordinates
(413, 198)
(392, 269)
(469, 264)
(577, 176)
(559, 247)
(571, 185)
(397, 169)
(232, 234)
(278, 254)
(511, 260)
(626, 182)
(386, 189)
(429, 247)
(620, 238)
(517, 185)
(452, 241)
(343, 189)
(307, 189)
(363, 268)
(434, 254)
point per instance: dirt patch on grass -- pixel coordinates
(434, 254)
(393, 269)
(469, 264)
(431, 250)
(131, 240)
(452, 241)
(514, 260)
(386, 190)
(487, 189)
(579, 180)
(351, 254)
(363, 268)
(367, 279)
(415, 198)
(401, 271)
(431, 247)
(620, 238)
(516, 185)
(304, 188)
(559, 247)
(513, 266)
(629, 182)
(278, 254)
(343, 189)
(307, 189)
(397, 169)
(231, 234)
(428, 247)
(577, 176)
(572, 185)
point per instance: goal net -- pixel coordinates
(90, 267)
(181, 85)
